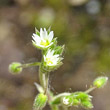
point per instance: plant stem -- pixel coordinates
(29, 65)
(60, 95)
(44, 78)
(90, 89)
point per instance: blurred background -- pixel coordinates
(82, 25)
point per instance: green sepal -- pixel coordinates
(37, 32)
(49, 29)
(82, 96)
(87, 104)
(59, 49)
(50, 68)
(56, 102)
(39, 87)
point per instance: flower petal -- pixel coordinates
(50, 36)
(36, 38)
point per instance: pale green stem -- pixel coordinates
(44, 78)
(61, 95)
(90, 89)
(46, 83)
(29, 65)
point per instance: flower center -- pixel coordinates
(49, 61)
(44, 43)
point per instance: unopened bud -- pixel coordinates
(40, 101)
(100, 81)
(15, 68)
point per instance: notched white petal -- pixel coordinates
(50, 36)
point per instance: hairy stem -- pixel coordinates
(44, 78)
(90, 89)
(29, 65)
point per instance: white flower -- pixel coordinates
(43, 39)
(65, 101)
(52, 60)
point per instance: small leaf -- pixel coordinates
(39, 88)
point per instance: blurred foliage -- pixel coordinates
(83, 26)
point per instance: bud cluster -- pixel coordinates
(78, 99)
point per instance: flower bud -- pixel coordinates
(100, 81)
(14, 68)
(40, 101)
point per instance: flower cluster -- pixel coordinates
(51, 52)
